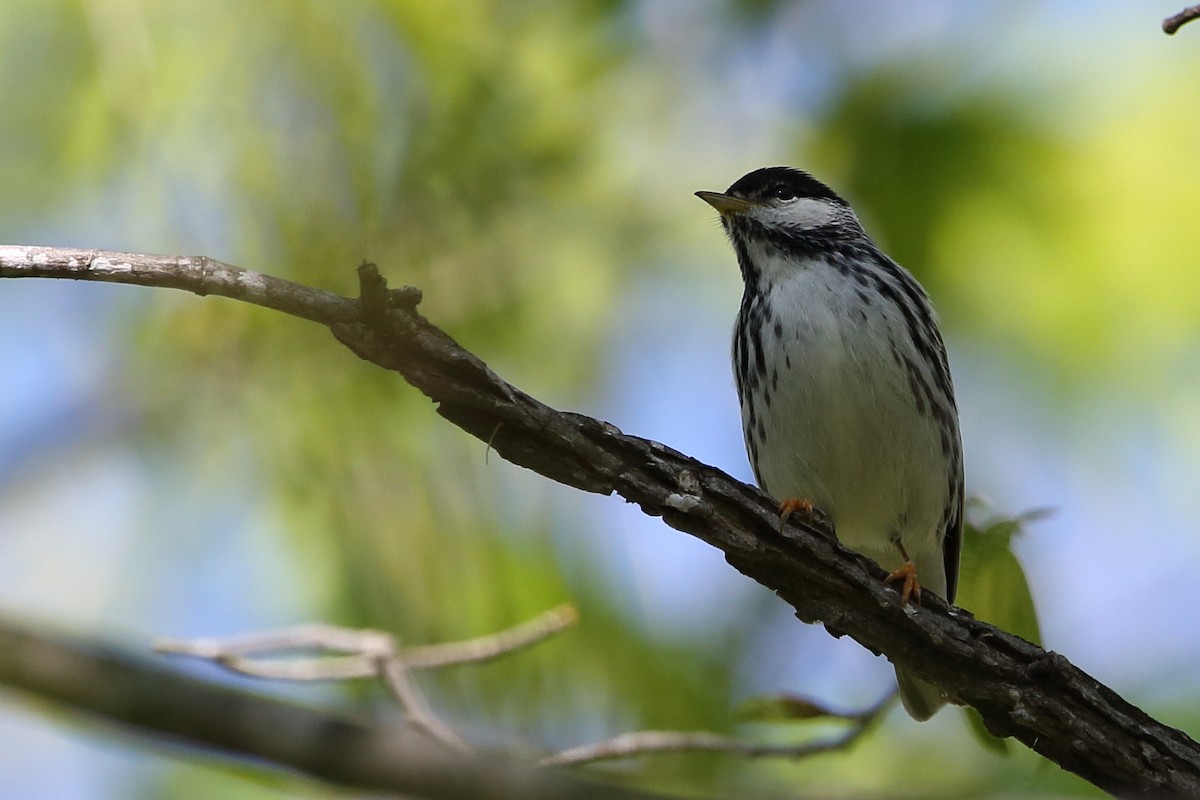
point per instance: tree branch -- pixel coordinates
(1020, 690)
(1174, 23)
(370, 754)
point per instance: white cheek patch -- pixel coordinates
(803, 213)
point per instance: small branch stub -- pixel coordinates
(1174, 23)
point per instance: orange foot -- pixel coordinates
(912, 587)
(789, 507)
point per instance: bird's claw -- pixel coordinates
(912, 587)
(789, 507)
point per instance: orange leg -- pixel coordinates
(789, 507)
(907, 572)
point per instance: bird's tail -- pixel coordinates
(921, 700)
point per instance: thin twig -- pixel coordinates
(359, 648)
(367, 654)
(644, 743)
(485, 648)
(197, 274)
(309, 636)
(416, 708)
(370, 654)
(239, 653)
(1172, 24)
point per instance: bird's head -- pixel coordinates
(779, 201)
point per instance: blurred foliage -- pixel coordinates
(420, 135)
(1029, 224)
(504, 157)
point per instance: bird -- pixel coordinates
(846, 397)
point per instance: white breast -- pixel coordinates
(842, 428)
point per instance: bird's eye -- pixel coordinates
(781, 191)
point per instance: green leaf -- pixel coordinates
(992, 586)
(992, 583)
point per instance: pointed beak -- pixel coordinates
(725, 203)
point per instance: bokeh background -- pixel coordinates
(171, 465)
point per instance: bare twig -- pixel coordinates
(197, 274)
(1174, 23)
(367, 654)
(643, 743)
(485, 648)
(240, 653)
(399, 681)
(646, 743)
(1019, 689)
(370, 654)
(358, 648)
